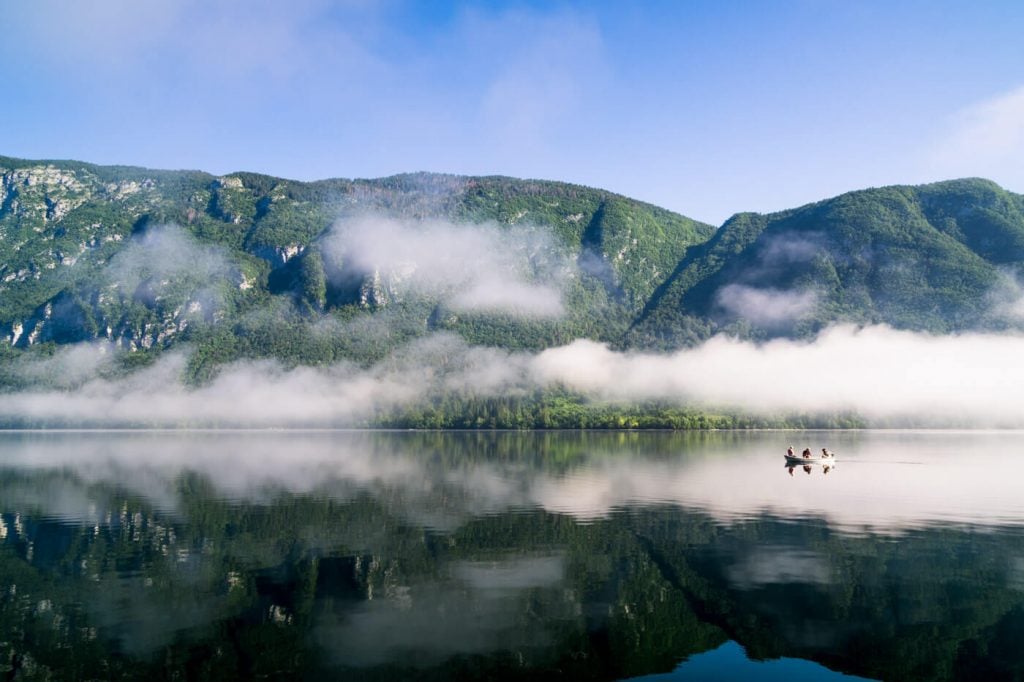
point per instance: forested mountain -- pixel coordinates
(941, 258)
(241, 265)
(249, 266)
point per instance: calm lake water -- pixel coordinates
(368, 555)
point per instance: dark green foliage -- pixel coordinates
(313, 279)
(560, 410)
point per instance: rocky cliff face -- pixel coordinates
(44, 192)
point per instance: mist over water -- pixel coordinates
(882, 373)
(888, 376)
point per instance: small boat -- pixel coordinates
(814, 459)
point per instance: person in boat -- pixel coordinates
(807, 453)
(790, 451)
(825, 453)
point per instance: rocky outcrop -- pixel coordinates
(66, 319)
(278, 256)
(381, 288)
(45, 192)
(373, 293)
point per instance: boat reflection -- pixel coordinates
(809, 467)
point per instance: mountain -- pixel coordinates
(252, 266)
(938, 258)
(241, 265)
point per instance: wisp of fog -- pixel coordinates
(482, 267)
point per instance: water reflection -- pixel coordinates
(808, 469)
(397, 555)
(729, 662)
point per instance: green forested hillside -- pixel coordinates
(86, 253)
(249, 266)
(936, 258)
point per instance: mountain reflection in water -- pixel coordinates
(375, 555)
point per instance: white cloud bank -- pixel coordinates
(877, 371)
(883, 374)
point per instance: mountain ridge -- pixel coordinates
(864, 245)
(245, 265)
(64, 225)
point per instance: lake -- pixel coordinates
(421, 555)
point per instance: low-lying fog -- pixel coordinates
(880, 373)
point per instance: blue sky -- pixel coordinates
(706, 108)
